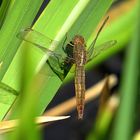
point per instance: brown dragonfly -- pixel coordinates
(75, 52)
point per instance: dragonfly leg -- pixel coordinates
(63, 45)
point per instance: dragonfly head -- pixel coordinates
(78, 40)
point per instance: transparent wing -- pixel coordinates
(97, 50)
(103, 47)
(56, 61)
(38, 39)
(34, 36)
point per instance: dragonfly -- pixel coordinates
(76, 53)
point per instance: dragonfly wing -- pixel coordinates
(39, 40)
(56, 60)
(33, 36)
(97, 50)
(49, 71)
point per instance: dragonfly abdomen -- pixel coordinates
(80, 90)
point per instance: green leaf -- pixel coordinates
(19, 15)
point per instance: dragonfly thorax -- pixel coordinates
(78, 40)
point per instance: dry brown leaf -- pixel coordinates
(9, 125)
